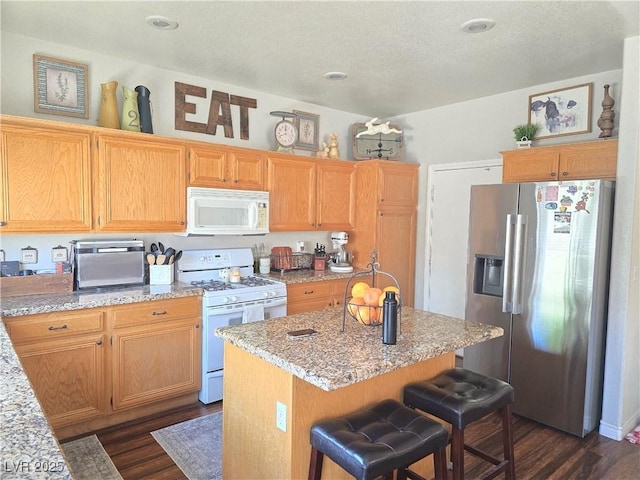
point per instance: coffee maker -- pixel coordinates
(341, 258)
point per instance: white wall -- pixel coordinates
(621, 402)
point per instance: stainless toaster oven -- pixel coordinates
(107, 263)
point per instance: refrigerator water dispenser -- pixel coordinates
(488, 275)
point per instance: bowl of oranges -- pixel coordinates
(365, 303)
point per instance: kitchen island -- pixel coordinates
(326, 375)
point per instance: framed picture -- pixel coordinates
(561, 112)
(60, 87)
(308, 126)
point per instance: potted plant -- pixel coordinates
(524, 134)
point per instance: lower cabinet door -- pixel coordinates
(68, 377)
(151, 364)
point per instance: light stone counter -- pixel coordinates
(333, 359)
(28, 448)
(304, 276)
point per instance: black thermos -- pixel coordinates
(389, 319)
(144, 109)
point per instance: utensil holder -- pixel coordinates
(160, 274)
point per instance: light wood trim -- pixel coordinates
(254, 448)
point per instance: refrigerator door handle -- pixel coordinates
(508, 252)
(519, 248)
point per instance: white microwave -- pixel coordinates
(216, 211)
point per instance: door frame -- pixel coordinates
(432, 170)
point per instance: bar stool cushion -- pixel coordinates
(379, 439)
(459, 396)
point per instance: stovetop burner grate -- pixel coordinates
(245, 282)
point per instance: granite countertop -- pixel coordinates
(304, 276)
(28, 448)
(59, 302)
(333, 359)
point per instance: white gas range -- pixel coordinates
(227, 299)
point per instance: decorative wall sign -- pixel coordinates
(60, 87)
(308, 130)
(561, 112)
(219, 111)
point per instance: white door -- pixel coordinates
(447, 232)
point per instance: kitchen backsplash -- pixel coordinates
(13, 244)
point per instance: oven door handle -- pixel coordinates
(239, 307)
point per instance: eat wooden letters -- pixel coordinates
(219, 111)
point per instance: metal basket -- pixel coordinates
(370, 315)
(288, 262)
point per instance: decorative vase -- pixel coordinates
(144, 109)
(605, 122)
(130, 115)
(108, 116)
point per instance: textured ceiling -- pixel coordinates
(401, 56)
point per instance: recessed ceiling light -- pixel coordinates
(335, 75)
(162, 23)
(478, 25)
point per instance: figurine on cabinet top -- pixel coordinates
(333, 146)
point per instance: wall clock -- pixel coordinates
(285, 132)
(386, 144)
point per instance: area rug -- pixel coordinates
(195, 446)
(88, 460)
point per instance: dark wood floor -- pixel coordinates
(541, 452)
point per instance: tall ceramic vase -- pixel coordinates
(108, 116)
(130, 115)
(144, 109)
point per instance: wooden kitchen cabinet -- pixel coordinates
(308, 194)
(313, 296)
(575, 161)
(97, 367)
(45, 176)
(220, 166)
(140, 184)
(156, 351)
(64, 357)
(385, 221)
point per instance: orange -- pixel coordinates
(367, 315)
(391, 289)
(359, 288)
(372, 295)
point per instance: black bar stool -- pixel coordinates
(378, 440)
(461, 397)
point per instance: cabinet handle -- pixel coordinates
(51, 328)
(235, 181)
(564, 174)
(224, 180)
(99, 342)
(2, 224)
(553, 174)
(197, 325)
(382, 199)
(159, 313)
(307, 292)
(313, 224)
(182, 223)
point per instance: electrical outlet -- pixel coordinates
(28, 255)
(281, 416)
(1, 255)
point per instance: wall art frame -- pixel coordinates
(308, 126)
(562, 112)
(60, 87)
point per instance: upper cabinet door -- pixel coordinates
(291, 182)
(45, 177)
(141, 184)
(336, 195)
(398, 184)
(219, 166)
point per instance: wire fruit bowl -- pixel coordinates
(365, 314)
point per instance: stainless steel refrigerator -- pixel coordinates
(538, 267)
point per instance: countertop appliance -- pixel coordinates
(538, 267)
(218, 211)
(107, 263)
(341, 259)
(228, 299)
